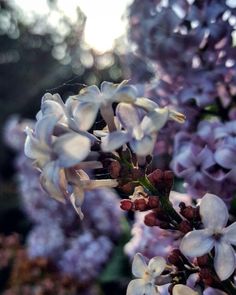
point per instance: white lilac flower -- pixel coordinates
(196, 243)
(183, 290)
(146, 274)
(140, 129)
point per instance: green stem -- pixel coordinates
(164, 200)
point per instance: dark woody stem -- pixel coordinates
(164, 200)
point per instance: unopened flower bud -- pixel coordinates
(168, 178)
(161, 215)
(185, 226)
(156, 176)
(188, 212)
(126, 205)
(153, 202)
(151, 220)
(140, 204)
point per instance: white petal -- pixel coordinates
(156, 119)
(224, 260)
(77, 199)
(144, 146)
(176, 116)
(214, 212)
(128, 116)
(71, 149)
(156, 265)
(139, 265)
(230, 234)
(44, 128)
(183, 290)
(146, 104)
(36, 150)
(88, 94)
(114, 141)
(196, 243)
(85, 115)
(136, 287)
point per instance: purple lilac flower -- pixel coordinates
(102, 208)
(163, 31)
(205, 159)
(85, 256)
(46, 241)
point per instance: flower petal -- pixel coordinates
(156, 265)
(224, 260)
(155, 120)
(214, 212)
(196, 243)
(139, 265)
(114, 140)
(144, 146)
(230, 234)
(225, 157)
(146, 104)
(77, 199)
(128, 116)
(71, 149)
(36, 150)
(44, 128)
(85, 115)
(136, 287)
(183, 290)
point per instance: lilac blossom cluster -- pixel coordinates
(79, 249)
(205, 159)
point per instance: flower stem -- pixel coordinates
(164, 200)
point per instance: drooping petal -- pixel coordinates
(35, 150)
(114, 140)
(156, 265)
(144, 146)
(44, 128)
(230, 234)
(51, 107)
(214, 212)
(85, 115)
(196, 243)
(77, 199)
(183, 290)
(136, 287)
(71, 149)
(224, 260)
(128, 116)
(139, 265)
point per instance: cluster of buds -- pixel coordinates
(139, 201)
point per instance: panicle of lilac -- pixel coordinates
(86, 256)
(163, 31)
(102, 211)
(205, 159)
(46, 241)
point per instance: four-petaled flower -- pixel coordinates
(147, 275)
(196, 243)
